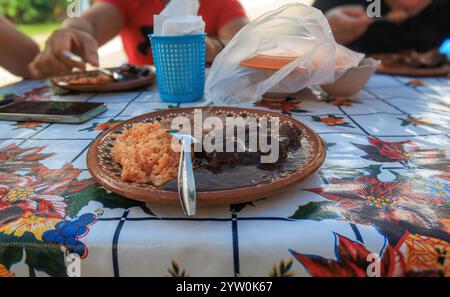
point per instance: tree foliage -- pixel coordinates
(34, 11)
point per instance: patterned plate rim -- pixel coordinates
(415, 72)
(129, 84)
(148, 193)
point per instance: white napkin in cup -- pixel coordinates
(179, 17)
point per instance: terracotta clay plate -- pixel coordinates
(410, 71)
(126, 85)
(107, 172)
(414, 72)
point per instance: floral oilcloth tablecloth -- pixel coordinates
(384, 190)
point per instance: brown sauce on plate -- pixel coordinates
(240, 176)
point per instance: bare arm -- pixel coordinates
(81, 36)
(102, 21)
(348, 22)
(215, 45)
(17, 50)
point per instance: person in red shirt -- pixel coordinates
(133, 20)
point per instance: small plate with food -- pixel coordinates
(413, 63)
(137, 159)
(124, 78)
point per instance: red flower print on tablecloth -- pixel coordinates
(341, 101)
(286, 107)
(35, 215)
(36, 94)
(416, 83)
(331, 120)
(353, 259)
(393, 207)
(40, 194)
(4, 272)
(414, 121)
(424, 253)
(383, 151)
(102, 126)
(14, 158)
(40, 210)
(28, 125)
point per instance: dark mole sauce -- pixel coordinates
(239, 176)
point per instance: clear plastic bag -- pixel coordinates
(293, 30)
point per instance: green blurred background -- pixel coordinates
(35, 17)
(34, 11)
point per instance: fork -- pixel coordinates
(186, 178)
(114, 74)
(382, 19)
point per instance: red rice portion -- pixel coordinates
(146, 155)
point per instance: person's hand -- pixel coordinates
(52, 61)
(348, 22)
(214, 45)
(213, 48)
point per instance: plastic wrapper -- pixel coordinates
(294, 30)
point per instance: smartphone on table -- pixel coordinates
(51, 111)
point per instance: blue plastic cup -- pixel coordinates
(180, 66)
